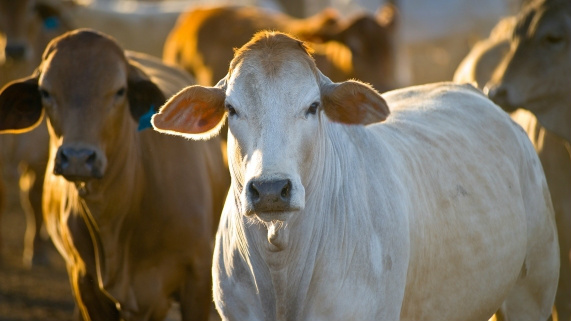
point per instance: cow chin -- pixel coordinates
(269, 217)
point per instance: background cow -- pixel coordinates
(343, 209)
(132, 212)
(539, 46)
(538, 88)
(26, 27)
(361, 47)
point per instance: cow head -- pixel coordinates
(92, 96)
(534, 74)
(371, 40)
(277, 103)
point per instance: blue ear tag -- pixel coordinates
(51, 23)
(145, 120)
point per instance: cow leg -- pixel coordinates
(531, 299)
(563, 297)
(35, 245)
(92, 304)
(196, 293)
(2, 202)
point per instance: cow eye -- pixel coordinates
(312, 110)
(120, 92)
(553, 39)
(231, 110)
(45, 94)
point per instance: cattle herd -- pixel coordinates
(277, 168)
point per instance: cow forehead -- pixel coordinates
(286, 85)
(80, 65)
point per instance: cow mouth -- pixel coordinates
(275, 216)
(82, 188)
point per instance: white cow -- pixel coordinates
(342, 209)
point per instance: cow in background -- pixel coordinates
(204, 38)
(478, 68)
(533, 75)
(132, 212)
(26, 27)
(349, 205)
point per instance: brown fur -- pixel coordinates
(354, 103)
(24, 156)
(272, 50)
(140, 234)
(203, 40)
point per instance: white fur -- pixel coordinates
(439, 213)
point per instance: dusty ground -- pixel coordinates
(42, 293)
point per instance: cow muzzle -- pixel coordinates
(16, 51)
(79, 164)
(263, 196)
(502, 95)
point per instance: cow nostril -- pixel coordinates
(15, 51)
(254, 194)
(286, 190)
(63, 157)
(91, 159)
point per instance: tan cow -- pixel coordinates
(26, 27)
(204, 38)
(132, 212)
(477, 68)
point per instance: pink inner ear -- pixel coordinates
(354, 103)
(195, 111)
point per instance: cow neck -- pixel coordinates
(119, 188)
(556, 116)
(302, 242)
(115, 203)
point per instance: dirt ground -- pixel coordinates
(42, 293)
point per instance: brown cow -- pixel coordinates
(27, 26)
(132, 212)
(204, 38)
(477, 68)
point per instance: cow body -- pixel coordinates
(132, 212)
(365, 212)
(478, 68)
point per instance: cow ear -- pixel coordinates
(388, 16)
(143, 94)
(352, 102)
(20, 106)
(196, 112)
